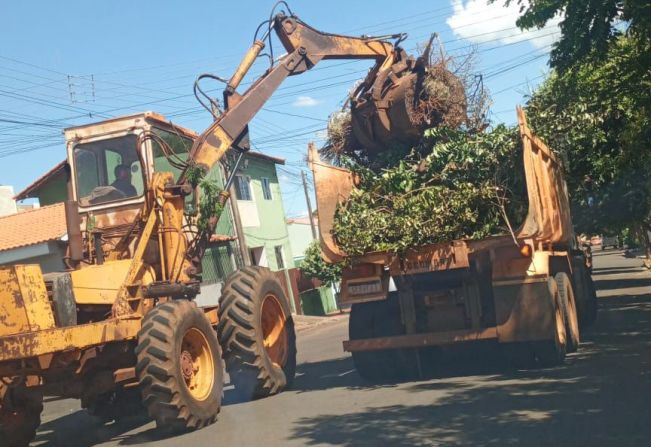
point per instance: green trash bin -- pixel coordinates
(312, 303)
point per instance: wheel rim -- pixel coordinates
(197, 366)
(274, 332)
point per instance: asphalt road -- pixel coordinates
(600, 397)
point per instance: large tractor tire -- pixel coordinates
(380, 319)
(256, 332)
(569, 308)
(20, 416)
(179, 367)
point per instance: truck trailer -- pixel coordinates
(529, 291)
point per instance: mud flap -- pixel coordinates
(524, 310)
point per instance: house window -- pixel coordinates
(243, 187)
(266, 189)
(258, 256)
(278, 250)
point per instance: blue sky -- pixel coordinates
(85, 61)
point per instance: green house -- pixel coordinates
(261, 212)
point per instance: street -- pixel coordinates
(599, 397)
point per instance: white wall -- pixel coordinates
(7, 202)
(209, 295)
(300, 237)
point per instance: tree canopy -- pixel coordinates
(588, 27)
(598, 115)
(314, 266)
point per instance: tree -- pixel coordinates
(314, 266)
(596, 107)
(597, 114)
(588, 27)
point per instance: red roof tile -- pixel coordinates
(32, 227)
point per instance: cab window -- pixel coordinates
(179, 147)
(108, 170)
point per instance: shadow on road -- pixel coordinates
(79, 429)
(622, 283)
(598, 398)
(597, 253)
(615, 271)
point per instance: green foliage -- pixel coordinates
(210, 207)
(598, 116)
(588, 27)
(453, 186)
(194, 174)
(314, 266)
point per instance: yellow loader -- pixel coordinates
(120, 324)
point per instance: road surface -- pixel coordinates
(600, 397)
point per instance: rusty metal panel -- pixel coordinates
(212, 313)
(352, 290)
(420, 340)
(34, 294)
(432, 258)
(13, 315)
(99, 284)
(35, 343)
(524, 309)
(548, 219)
(333, 186)
(124, 374)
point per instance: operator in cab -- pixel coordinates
(123, 181)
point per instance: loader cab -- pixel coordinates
(111, 165)
(112, 161)
(108, 170)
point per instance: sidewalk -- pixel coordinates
(306, 322)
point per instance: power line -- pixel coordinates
(291, 90)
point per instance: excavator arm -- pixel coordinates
(305, 48)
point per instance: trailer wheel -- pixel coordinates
(568, 306)
(179, 367)
(371, 365)
(552, 352)
(20, 416)
(256, 332)
(592, 303)
(586, 297)
(380, 319)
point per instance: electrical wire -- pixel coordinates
(326, 86)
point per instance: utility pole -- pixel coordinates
(309, 205)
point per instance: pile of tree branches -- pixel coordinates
(447, 93)
(454, 185)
